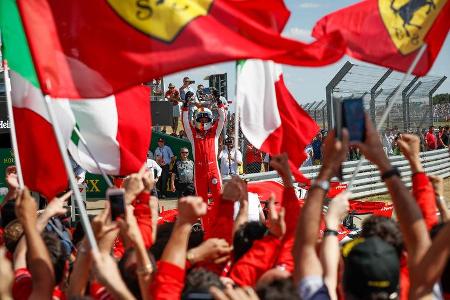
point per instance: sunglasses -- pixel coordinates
(184, 152)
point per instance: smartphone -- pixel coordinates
(354, 119)
(116, 198)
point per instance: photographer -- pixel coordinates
(230, 159)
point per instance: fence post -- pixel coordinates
(329, 90)
(374, 94)
(430, 96)
(405, 102)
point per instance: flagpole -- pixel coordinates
(236, 125)
(411, 68)
(13, 127)
(73, 183)
(83, 141)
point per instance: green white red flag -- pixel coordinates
(116, 128)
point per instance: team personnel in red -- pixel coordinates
(203, 133)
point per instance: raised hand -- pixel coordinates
(134, 183)
(212, 250)
(372, 148)
(337, 210)
(277, 225)
(129, 229)
(26, 208)
(105, 231)
(234, 189)
(335, 151)
(190, 209)
(56, 206)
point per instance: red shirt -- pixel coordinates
(168, 283)
(172, 95)
(23, 286)
(431, 140)
(253, 155)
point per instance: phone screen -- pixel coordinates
(353, 118)
(117, 205)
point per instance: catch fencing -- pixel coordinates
(368, 182)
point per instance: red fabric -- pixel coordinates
(292, 207)
(99, 292)
(73, 64)
(171, 95)
(133, 137)
(42, 166)
(221, 220)
(260, 258)
(23, 286)
(296, 125)
(143, 215)
(404, 277)
(430, 138)
(168, 282)
(424, 194)
(368, 38)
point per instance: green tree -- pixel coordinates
(441, 98)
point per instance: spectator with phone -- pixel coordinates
(164, 157)
(182, 178)
(230, 159)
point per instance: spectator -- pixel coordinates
(203, 97)
(317, 149)
(173, 96)
(430, 139)
(253, 159)
(182, 134)
(79, 172)
(439, 136)
(154, 169)
(182, 179)
(309, 156)
(230, 159)
(186, 87)
(445, 136)
(164, 156)
(266, 162)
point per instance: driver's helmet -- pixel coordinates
(203, 118)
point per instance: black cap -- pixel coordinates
(161, 140)
(372, 266)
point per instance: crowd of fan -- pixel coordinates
(441, 112)
(208, 254)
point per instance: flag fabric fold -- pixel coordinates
(270, 117)
(117, 128)
(390, 33)
(91, 49)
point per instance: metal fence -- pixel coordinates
(368, 182)
(377, 86)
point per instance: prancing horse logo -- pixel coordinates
(160, 19)
(408, 21)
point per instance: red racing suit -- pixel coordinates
(205, 147)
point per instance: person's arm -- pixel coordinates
(132, 238)
(186, 123)
(221, 121)
(13, 186)
(172, 181)
(38, 258)
(438, 186)
(422, 189)
(81, 269)
(411, 222)
(242, 216)
(169, 278)
(430, 269)
(307, 262)
(329, 251)
(158, 170)
(239, 157)
(263, 253)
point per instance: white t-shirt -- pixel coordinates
(254, 207)
(152, 166)
(225, 161)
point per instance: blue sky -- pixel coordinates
(306, 84)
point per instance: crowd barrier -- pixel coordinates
(368, 182)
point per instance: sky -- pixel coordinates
(306, 84)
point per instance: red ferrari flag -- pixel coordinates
(92, 48)
(389, 33)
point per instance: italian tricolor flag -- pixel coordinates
(271, 119)
(117, 128)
